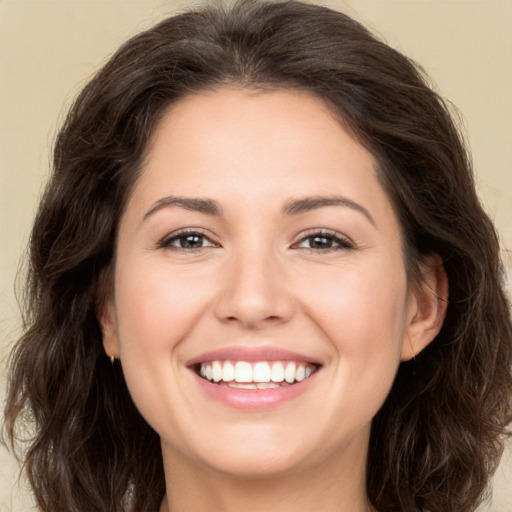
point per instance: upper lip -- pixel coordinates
(251, 354)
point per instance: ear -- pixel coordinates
(428, 303)
(106, 311)
(108, 324)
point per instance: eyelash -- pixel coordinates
(166, 242)
(341, 242)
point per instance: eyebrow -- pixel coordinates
(195, 204)
(293, 207)
(306, 204)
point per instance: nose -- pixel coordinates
(254, 294)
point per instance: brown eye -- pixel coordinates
(324, 241)
(190, 241)
(320, 242)
(187, 241)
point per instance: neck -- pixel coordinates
(332, 487)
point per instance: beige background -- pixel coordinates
(49, 48)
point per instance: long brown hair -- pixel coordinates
(440, 433)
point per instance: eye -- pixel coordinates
(324, 241)
(187, 241)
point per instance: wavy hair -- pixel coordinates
(440, 433)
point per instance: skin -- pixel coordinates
(256, 279)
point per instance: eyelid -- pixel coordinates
(344, 241)
(164, 242)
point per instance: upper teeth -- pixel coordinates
(262, 371)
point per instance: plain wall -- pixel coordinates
(49, 48)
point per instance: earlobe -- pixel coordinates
(428, 305)
(105, 312)
(107, 320)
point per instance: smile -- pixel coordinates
(253, 378)
(255, 375)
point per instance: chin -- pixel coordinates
(253, 456)
(252, 467)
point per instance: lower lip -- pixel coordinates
(253, 399)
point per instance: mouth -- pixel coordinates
(254, 375)
(254, 378)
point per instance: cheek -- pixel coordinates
(361, 300)
(362, 313)
(156, 308)
(364, 320)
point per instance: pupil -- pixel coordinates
(191, 241)
(321, 242)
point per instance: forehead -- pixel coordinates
(257, 148)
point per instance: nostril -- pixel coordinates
(254, 322)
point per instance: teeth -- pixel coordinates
(228, 372)
(241, 385)
(243, 372)
(259, 375)
(277, 372)
(216, 371)
(261, 372)
(289, 373)
(267, 385)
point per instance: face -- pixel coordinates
(260, 301)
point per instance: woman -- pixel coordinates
(261, 279)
